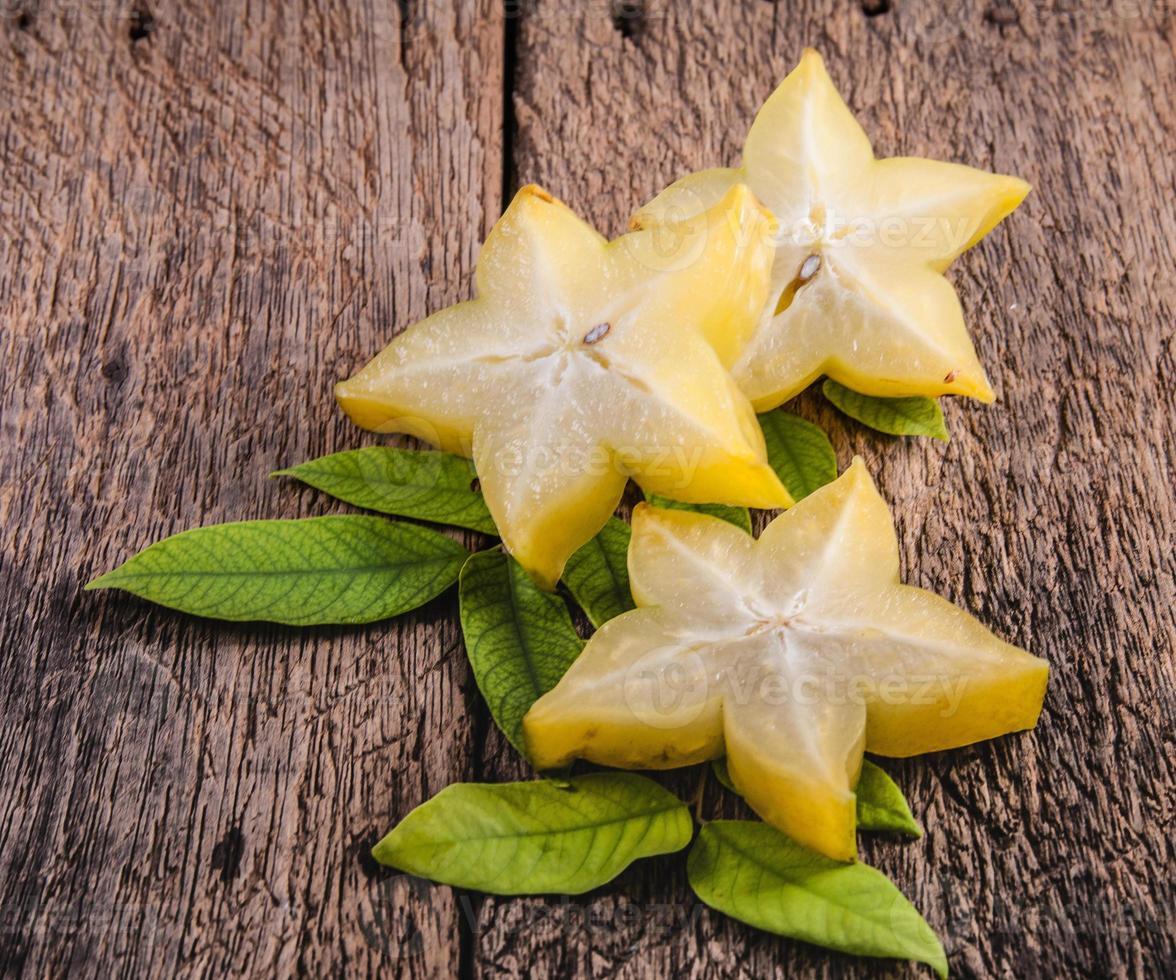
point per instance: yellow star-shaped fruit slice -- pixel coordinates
(584, 362)
(858, 291)
(790, 654)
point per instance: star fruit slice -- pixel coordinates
(584, 362)
(858, 291)
(790, 654)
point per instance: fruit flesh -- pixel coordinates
(583, 362)
(877, 314)
(791, 655)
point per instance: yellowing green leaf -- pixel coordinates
(881, 805)
(914, 416)
(756, 874)
(598, 575)
(537, 837)
(520, 639)
(739, 516)
(426, 485)
(348, 569)
(719, 767)
(799, 452)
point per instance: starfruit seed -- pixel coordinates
(809, 268)
(598, 332)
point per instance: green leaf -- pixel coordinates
(799, 452)
(426, 485)
(520, 639)
(719, 768)
(755, 874)
(598, 574)
(347, 569)
(881, 805)
(536, 837)
(915, 416)
(739, 516)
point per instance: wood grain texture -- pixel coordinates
(210, 212)
(1049, 515)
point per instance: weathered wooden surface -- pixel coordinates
(207, 215)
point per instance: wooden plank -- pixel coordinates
(1049, 515)
(209, 213)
